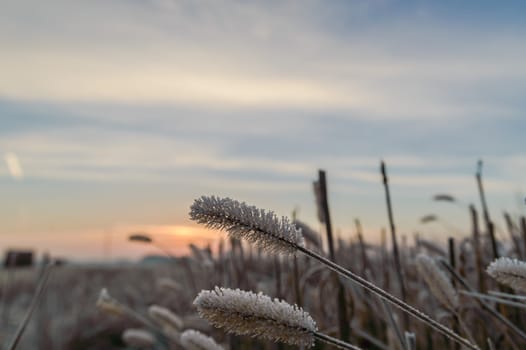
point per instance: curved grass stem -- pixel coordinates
(333, 341)
(390, 298)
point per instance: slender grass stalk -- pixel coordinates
(343, 319)
(486, 307)
(340, 344)
(392, 323)
(490, 344)
(523, 231)
(452, 261)
(490, 227)
(41, 288)
(511, 231)
(495, 299)
(363, 253)
(478, 250)
(507, 295)
(410, 340)
(396, 254)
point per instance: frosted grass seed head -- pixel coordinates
(108, 304)
(138, 338)
(256, 315)
(258, 226)
(165, 318)
(511, 272)
(195, 340)
(437, 281)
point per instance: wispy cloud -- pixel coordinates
(13, 166)
(260, 55)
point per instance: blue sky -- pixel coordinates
(115, 115)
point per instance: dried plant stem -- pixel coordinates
(507, 295)
(34, 303)
(392, 322)
(410, 339)
(398, 265)
(511, 230)
(489, 309)
(490, 227)
(389, 297)
(452, 261)
(333, 341)
(343, 319)
(495, 299)
(478, 252)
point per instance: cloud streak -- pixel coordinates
(231, 55)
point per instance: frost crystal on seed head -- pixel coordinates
(194, 340)
(511, 272)
(258, 226)
(256, 315)
(437, 281)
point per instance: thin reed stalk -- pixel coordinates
(343, 318)
(495, 299)
(335, 342)
(511, 231)
(489, 224)
(489, 309)
(396, 254)
(389, 297)
(523, 231)
(477, 247)
(41, 288)
(452, 261)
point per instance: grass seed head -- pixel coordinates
(138, 338)
(165, 318)
(195, 340)
(108, 304)
(258, 226)
(256, 315)
(511, 272)
(437, 281)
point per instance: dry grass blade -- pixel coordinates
(41, 288)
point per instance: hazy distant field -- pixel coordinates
(67, 317)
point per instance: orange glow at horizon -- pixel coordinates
(113, 243)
